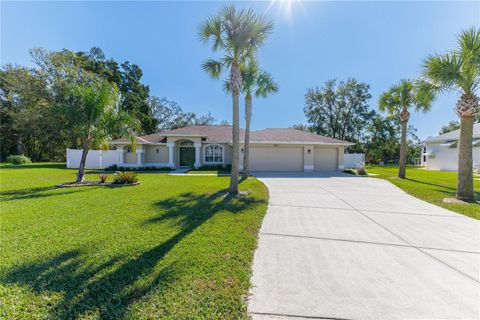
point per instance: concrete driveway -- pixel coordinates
(334, 246)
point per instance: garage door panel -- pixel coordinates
(326, 159)
(276, 158)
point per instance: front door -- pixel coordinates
(187, 156)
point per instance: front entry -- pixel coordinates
(187, 156)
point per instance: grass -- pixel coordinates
(211, 170)
(172, 247)
(431, 186)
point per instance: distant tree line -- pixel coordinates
(30, 99)
(341, 110)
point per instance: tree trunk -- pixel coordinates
(465, 174)
(81, 167)
(403, 151)
(235, 146)
(246, 147)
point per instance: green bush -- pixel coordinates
(18, 159)
(349, 171)
(125, 177)
(117, 168)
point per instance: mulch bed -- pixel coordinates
(94, 184)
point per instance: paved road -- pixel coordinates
(334, 246)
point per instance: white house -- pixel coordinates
(441, 152)
(271, 149)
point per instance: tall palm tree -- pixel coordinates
(261, 84)
(397, 101)
(459, 71)
(237, 34)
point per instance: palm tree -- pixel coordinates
(459, 71)
(238, 34)
(261, 84)
(93, 114)
(396, 101)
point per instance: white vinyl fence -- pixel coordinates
(96, 159)
(354, 160)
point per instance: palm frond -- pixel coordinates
(213, 68)
(265, 85)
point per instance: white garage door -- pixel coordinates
(276, 158)
(326, 159)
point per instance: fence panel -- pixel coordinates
(96, 159)
(354, 160)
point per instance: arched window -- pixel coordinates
(213, 153)
(186, 143)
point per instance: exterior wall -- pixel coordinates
(130, 157)
(151, 155)
(308, 157)
(446, 159)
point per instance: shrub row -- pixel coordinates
(117, 168)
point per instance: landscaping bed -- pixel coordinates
(172, 247)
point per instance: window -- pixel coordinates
(213, 154)
(186, 143)
(129, 149)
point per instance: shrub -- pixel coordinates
(125, 177)
(362, 171)
(102, 178)
(18, 159)
(113, 167)
(349, 171)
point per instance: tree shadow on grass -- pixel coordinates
(32, 193)
(108, 289)
(60, 165)
(432, 184)
(190, 210)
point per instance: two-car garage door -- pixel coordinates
(276, 158)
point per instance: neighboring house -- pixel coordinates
(441, 152)
(270, 149)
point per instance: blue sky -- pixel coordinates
(375, 42)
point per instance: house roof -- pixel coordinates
(452, 135)
(223, 134)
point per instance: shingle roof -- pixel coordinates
(292, 135)
(453, 135)
(217, 133)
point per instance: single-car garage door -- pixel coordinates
(326, 159)
(276, 158)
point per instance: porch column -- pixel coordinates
(170, 146)
(197, 155)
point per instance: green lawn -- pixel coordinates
(211, 170)
(431, 186)
(172, 247)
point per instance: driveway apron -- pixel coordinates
(334, 246)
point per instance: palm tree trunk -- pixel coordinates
(403, 151)
(235, 146)
(246, 147)
(465, 174)
(83, 160)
